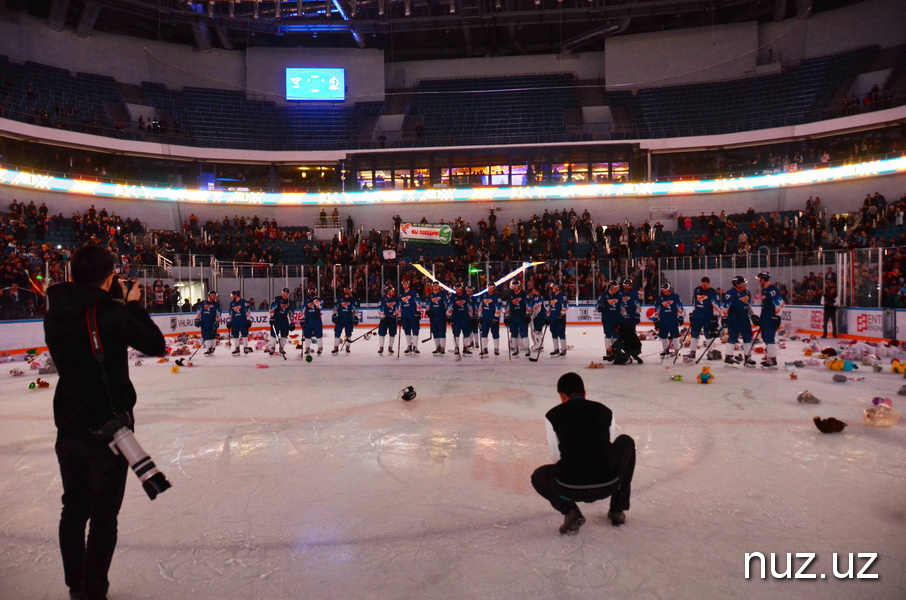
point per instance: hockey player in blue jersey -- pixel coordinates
(313, 325)
(668, 314)
(771, 309)
(240, 321)
(282, 321)
(705, 315)
(411, 311)
(629, 305)
(537, 315)
(473, 324)
(557, 316)
(609, 307)
(736, 309)
(208, 318)
(517, 319)
(490, 310)
(459, 314)
(389, 314)
(345, 317)
(436, 305)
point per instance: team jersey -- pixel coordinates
(609, 305)
(312, 309)
(490, 306)
(346, 309)
(516, 305)
(629, 305)
(772, 303)
(534, 305)
(239, 310)
(460, 307)
(558, 306)
(437, 304)
(209, 312)
(389, 307)
(706, 303)
(737, 303)
(282, 308)
(410, 304)
(669, 308)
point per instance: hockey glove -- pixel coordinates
(775, 321)
(197, 322)
(599, 309)
(449, 320)
(292, 326)
(656, 323)
(755, 320)
(547, 320)
(271, 321)
(334, 318)
(355, 321)
(506, 321)
(248, 322)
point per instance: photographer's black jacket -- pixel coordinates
(81, 403)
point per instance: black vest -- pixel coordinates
(583, 430)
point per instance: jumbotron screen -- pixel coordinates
(315, 84)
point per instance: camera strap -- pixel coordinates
(97, 349)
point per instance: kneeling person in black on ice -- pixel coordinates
(94, 389)
(627, 346)
(588, 466)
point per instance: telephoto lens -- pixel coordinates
(153, 481)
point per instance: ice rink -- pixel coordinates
(314, 481)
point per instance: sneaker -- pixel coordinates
(617, 517)
(572, 521)
(335, 351)
(235, 352)
(607, 357)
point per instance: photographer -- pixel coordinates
(94, 478)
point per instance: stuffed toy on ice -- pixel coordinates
(705, 376)
(898, 367)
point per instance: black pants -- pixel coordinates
(564, 499)
(94, 481)
(830, 316)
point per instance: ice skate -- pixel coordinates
(390, 350)
(335, 351)
(562, 353)
(408, 351)
(572, 521)
(235, 352)
(348, 349)
(496, 352)
(308, 351)
(319, 352)
(466, 352)
(769, 363)
(415, 350)
(731, 361)
(380, 351)
(209, 352)
(528, 353)
(748, 362)
(248, 350)
(436, 352)
(555, 353)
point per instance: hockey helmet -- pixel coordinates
(738, 280)
(347, 291)
(613, 283)
(285, 290)
(516, 283)
(666, 287)
(236, 293)
(627, 281)
(389, 289)
(554, 285)
(212, 293)
(763, 276)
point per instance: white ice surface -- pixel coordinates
(313, 481)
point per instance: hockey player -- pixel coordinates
(668, 314)
(208, 318)
(771, 308)
(411, 313)
(389, 313)
(516, 319)
(436, 304)
(490, 309)
(345, 317)
(459, 314)
(240, 321)
(629, 304)
(282, 321)
(705, 315)
(557, 315)
(609, 307)
(537, 312)
(736, 310)
(476, 311)
(313, 327)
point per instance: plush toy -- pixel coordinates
(881, 414)
(897, 366)
(676, 378)
(705, 376)
(838, 364)
(793, 375)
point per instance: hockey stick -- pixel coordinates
(679, 348)
(399, 337)
(540, 344)
(711, 343)
(509, 343)
(456, 348)
(752, 346)
(366, 335)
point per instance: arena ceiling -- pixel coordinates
(405, 29)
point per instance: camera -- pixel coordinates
(116, 291)
(116, 434)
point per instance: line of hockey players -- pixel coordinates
(525, 315)
(710, 315)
